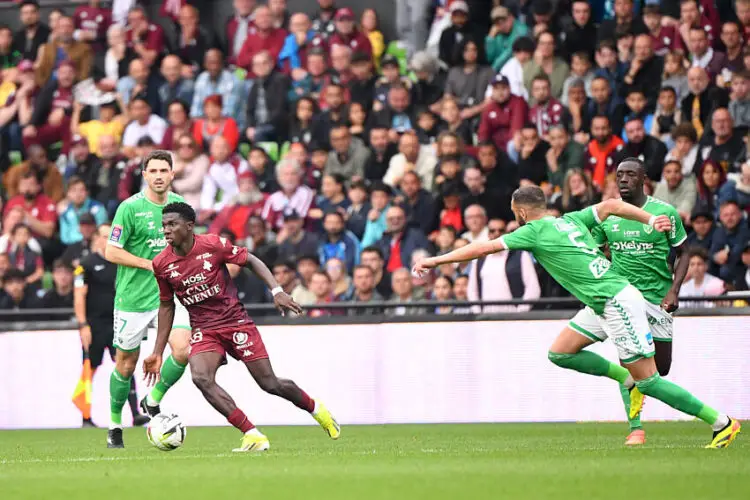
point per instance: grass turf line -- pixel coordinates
(464, 462)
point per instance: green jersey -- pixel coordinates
(137, 229)
(639, 253)
(565, 248)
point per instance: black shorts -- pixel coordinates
(101, 341)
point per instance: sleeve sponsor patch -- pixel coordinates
(116, 233)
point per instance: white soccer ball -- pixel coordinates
(166, 432)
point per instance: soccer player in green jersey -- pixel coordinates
(614, 308)
(135, 239)
(641, 256)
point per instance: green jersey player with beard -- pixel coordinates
(641, 255)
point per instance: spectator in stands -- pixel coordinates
(411, 157)
(33, 34)
(332, 196)
(144, 124)
(43, 170)
(131, 179)
(361, 86)
(398, 114)
(743, 283)
(118, 57)
(226, 169)
(603, 103)
(10, 218)
(702, 221)
(737, 187)
(338, 242)
(349, 155)
(333, 115)
(372, 257)
(580, 31)
(53, 106)
(15, 296)
(663, 33)
(298, 42)
(430, 81)
(369, 25)
(403, 292)
(702, 55)
(729, 242)
(190, 168)
(710, 178)
(260, 241)
(450, 112)
(475, 217)
(300, 127)
(645, 69)
(61, 295)
(640, 145)
(80, 162)
(380, 200)
(285, 274)
(739, 100)
(309, 82)
(217, 80)
(293, 240)
(547, 111)
(238, 27)
(677, 190)
(399, 241)
(391, 71)
(74, 253)
(381, 152)
(109, 123)
(577, 193)
(666, 117)
(112, 165)
(697, 106)
(468, 79)
(214, 124)
(581, 76)
(264, 38)
(9, 58)
(531, 153)
(504, 115)
(418, 204)
(545, 62)
(143, 36)
(293, 194)
(347, 34)
(77, 203)
(563, 154)
(175, 86)
(453, 37)
(724, 145)
(322, 287)
(442, 291)
(598, 161)
(248, 202)
(731, 37)
(699, 283)
(505, 30)
(342, 283)
(23, 257)
(478, 194)
(262, 169)
(624, 20)
(364, 292)
(306, 266)
(192, 42)
(63, 47)
(685, 148)
(675, 74)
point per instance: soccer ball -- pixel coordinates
(166, 432)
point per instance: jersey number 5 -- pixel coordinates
(573, 237)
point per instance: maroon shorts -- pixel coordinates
(243, 342)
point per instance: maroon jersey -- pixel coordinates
(201, 282)
(96, 19)
(62, 99)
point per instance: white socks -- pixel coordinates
(721, 422)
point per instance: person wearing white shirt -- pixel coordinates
(221, 181)
(144, 124)
(523, 49)
(475, 217)
(699, 282)
(411, 157)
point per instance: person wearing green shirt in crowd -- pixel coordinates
(499, 42)
(641, 255)
(614, 308)
(135, 239)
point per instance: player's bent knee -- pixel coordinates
(271, 385)
(647, 385)
(560, 359)
(179, 343)
(125, 362)
(203, 381)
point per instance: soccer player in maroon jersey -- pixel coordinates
(193, 267)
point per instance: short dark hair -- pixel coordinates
(29, 2)
(730, 201)
(159, 154)
(540, 77)
(308, 256)
(668, 88)
(182, 209)
(185, 106)
(698, 27)
(362, 266)
(228, 232)
(524, 44)
(75, 180)
(18, 227)
(631, 159)
(373, 249)
(606, 44)
(582, 55)
(452, 158)
(635, 90)
(29, 175)
(530, 196)
(333, 213)
(283, 263)
(685, 129)
(698, 252)
(600, 116)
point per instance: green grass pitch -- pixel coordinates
(461, 462)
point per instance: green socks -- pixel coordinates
(635, 423)
(591, 364)
(171, 371)
(119, 387)
(677, 397)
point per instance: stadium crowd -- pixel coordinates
(338, 158)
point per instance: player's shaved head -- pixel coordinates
(528, 203)
(631, 174)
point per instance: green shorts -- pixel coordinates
(131, 328)
(624, 322)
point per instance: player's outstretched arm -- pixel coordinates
(152, 364)
(627, 211)
(122, 257)
(282, 300)
(472, 251)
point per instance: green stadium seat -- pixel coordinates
(271, 148)
(284, 149)
(244, 150)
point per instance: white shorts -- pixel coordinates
(624, 322)
(660, 322)
(131, 328)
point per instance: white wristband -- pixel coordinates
(652, 220)
(276, 291)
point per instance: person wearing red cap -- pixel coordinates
(63, 47)
(50, 120)
(348, 34)
(504, 116)
(264, 38)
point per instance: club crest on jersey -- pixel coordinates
(648, 229)
(116, 233)
(207, 265)
(615, 228)
(239, 338)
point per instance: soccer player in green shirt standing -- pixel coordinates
(641, 256)
(614, 308)
(135, 239)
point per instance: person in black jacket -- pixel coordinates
(267, 107)
(454, 36)
(61, 295)
(580, 30)
(650, 150)
(33, 34)
(398, 115)
(625, 20)
(336, 114)
(362, 84)
(645, 70)
(708, 97)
